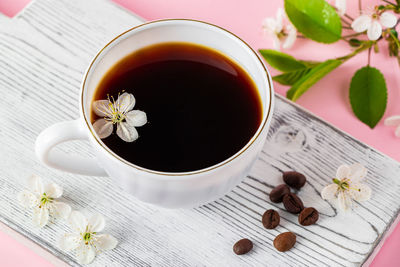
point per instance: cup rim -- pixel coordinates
(177, 174)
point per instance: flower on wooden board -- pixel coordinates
(372, 22)
(86, 240)
(394, 121)
(42, 199)
(281, 30)
(347, 186)
(118, 112)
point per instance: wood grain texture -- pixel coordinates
(3, 18)
(43, 54)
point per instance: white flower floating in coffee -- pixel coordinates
(120, 113)
(347, 186)
(42, 199)
(86, 240)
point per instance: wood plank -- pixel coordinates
(3, 18)
(43, 54)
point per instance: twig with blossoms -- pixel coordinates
(321, 22)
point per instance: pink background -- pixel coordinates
(328, 99)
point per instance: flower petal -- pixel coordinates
(362, 23)
(85, 253)
(363, 193)
(106, 242)
(70, 241)
(343, 172)
(270, 25)
(374, 31)
(96, 223)
(126, 102)
(344, 201)
(291, 38)
(40, 216)
(341, 6)
(397, 131)
(357, 172)
(77, 221)
(388, 19)
(127, 132)
(102, 108)
(103, 128)
(392, 121)
(276, 42)
(136, 118)
(60, 210)
(329, 192)
(279, 20)
(27, 199)
(35, 184)
(53, 190)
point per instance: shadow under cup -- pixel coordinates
(195, 187)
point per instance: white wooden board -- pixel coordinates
(43, 54)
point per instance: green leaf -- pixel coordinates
(308, 80)
(290, 78)
(315, 19)
(368, 95)
(310, 63)
(281, 61)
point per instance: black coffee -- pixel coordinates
(201, 106)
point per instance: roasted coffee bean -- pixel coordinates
(294, 179)
(284, 241)
(278, 192)
(293, 203)
(242, 246)
(270, 219)
(308, 216)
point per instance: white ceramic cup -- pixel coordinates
(172, 190)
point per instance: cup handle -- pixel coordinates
(57, 134)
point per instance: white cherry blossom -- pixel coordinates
(120, 113)
(372, 22)
(394, 121)
(86, 240)
(281, 30)
(347, 186)
(42, 199)
(341, 6)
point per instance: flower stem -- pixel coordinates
(355, 52)
(395, 39)
(347, 16)
(369, 56)
(390, 3)
(345, 22)
(359, 6)
(353, 35)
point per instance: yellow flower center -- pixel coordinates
(344, 184)
(116, 115)
(44, 199)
